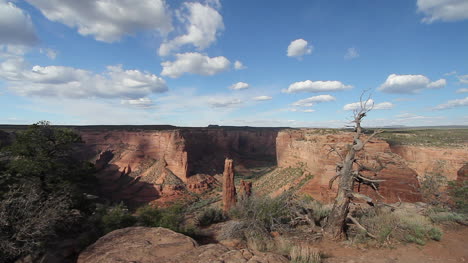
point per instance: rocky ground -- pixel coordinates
(452, 248)
(160, 245)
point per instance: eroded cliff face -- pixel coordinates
(433, 160)
(143, 166)
(310, 149)
(164, 164)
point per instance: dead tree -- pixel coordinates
(349, 171)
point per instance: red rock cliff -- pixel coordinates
(145, 165)
(434, 160)
(310, 149)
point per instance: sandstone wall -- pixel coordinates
(132, 149)
(311, 150)
(433, 160)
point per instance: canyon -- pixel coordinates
(164, 164)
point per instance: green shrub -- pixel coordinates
(445, 216)
(458, 191)
(316, 210)
(265, 211)
(116, 217)
(171, 217)
(210, 216)
(148, 216)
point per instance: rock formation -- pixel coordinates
(310, 150)
(229, 188)
(160, 245)
(168, 161)
(433, 160)
(245, 190)
(462, 174)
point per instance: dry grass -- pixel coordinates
(400, 225)
(304, 253)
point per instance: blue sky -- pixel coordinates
(243, 62)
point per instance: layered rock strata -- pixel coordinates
(314, 153)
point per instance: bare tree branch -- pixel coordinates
(361, 227)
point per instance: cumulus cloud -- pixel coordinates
(262, 98)
(194, 63)
(299, 48)
(16, 27)
(368, 104)
(107, 20)
(224, 103)
(238, 65)
(462, 90)
(60, 81)
(202, 25)
(313, 100)
(141, 102)
(316, 86)
(409, 84)
(443, 10)
(239, 86)
(463, 79)
(351, 53)
(453, 104)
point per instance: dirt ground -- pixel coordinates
(452, 248)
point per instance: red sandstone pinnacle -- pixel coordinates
(229, 188)
(245, 189)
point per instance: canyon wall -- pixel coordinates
(433, 160)
(149, 164)
(310, 149)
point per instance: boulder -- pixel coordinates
(160, 245)
(137, 244)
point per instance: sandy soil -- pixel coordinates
(452, 248)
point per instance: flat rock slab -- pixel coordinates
(161, 245)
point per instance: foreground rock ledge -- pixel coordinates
(161, 245)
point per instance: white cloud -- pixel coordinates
(141, 102)
(462, 90)
(60, 81)
(194, 63)
(450, 73)
(316, 86)
(202, 24)
(409, 84)
(238, 65)
(452, 104)
(16, 27)
(463, 79)
(107, 20)
(438, 84)
(239, 86)
(52, 54)
(368, 104)
(224, 103)
(351, 53)
(299, 110)
(262, 98)
(443, 10)
(313, 100)
(299, 48)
